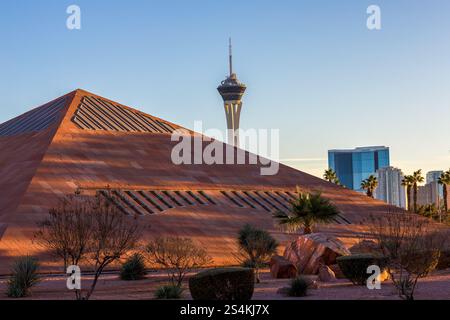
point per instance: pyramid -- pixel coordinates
(85, 141)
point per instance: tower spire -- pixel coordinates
(231, 57)
(232, 91)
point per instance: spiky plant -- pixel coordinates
(307, 210)
(370, 184)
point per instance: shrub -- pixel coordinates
(299, 287)
(133, 268)
(223, 284)
(169, 292)
(256, 247)
(177, 256)
(90, 229)
(24, 277)
(412, 245)
(354, 267)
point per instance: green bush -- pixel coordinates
(299, 287)
(133, 268)
(24, 277)
(354, 267)
(256, 247)
(223, 284)
(169, 292)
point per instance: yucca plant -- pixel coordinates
(133, 268)
(299, 287)
(24, 277)
(169, 291)
(256, 247)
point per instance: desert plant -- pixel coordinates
(169, 292)
(256, 248)
(412, 248)
(416, 179)
(133, 268)
(24, 277)
(444, 180)
(370, 184)
(299, 287)
(223, 284)
(408, 182)
(307, 210)
(66, 231)
(429, 211)
(331, 176)
(90, 229)
(354, 267)
(177, 256)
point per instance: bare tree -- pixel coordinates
(177, 256)
(412, 247)
(66, 230)
(113, 235)
(89, 229)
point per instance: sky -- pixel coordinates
(313, 69)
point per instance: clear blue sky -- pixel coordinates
(312, 68)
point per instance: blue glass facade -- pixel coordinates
(353, 166)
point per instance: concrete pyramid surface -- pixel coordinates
(85, 141)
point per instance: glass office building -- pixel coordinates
(355, 165)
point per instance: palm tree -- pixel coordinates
(370, 184)
(417, 178)
(331, 176)
(307, 210)
(408, 183)
(444, 179)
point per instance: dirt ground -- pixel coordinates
(110, 287)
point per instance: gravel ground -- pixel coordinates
(110, 287)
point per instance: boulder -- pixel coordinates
(326, 274)
(280, 268)
(337, 271)
(309, 251)
(365, 246)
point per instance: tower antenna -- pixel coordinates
(232, 91)
(231, 57)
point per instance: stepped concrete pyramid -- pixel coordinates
(85, 141)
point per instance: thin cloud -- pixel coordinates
(303, 160)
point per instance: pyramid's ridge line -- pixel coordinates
(70, 94)
(75, 97)
(84, 93)
(39, 119)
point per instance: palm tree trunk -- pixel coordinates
(445, 198)
(415, 197)
(408, 198)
